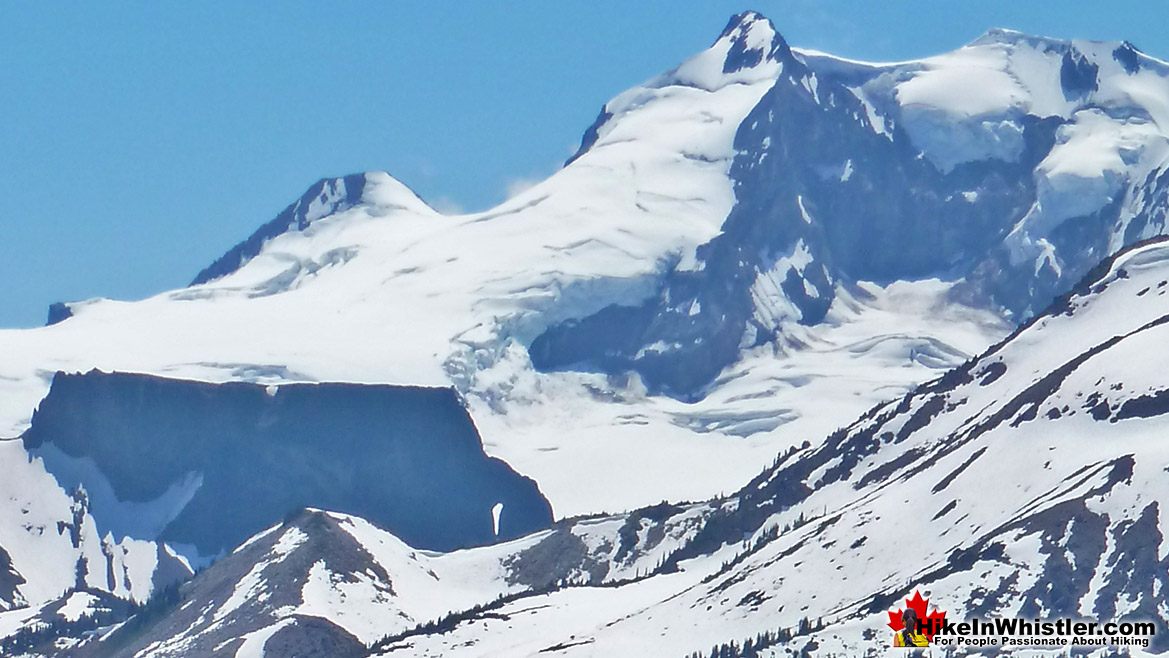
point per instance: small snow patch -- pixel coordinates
(496, 510)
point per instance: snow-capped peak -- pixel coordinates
(777, 240)
(753, 39)
(384, 192)
(748, 50)
(377, 190)
(748, 53)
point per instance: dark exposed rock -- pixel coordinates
(1072, 539)
(281, 582)
(949, 507)
(591, 135)
(1126, 54)
(991, 373)
(313, 637)
(1145, 406)
(789, 481)
(945, 482)
(558, 556)
(38, 634)
(407, 458)
(1077, 75)
(741, 56)
(333, 194)
(1135, 573)
(9, 581)
(877, 222)
(58, 312)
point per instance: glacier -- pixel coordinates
(745, 255)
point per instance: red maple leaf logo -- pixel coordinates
(920, 606)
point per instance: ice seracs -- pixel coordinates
(746, 253)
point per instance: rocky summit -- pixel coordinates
(790, 340)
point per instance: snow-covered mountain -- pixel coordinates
(327, 575)
(1027, 482)
(746, 253)
(1008, 168)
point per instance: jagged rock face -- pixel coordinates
(9, 580)
(1029, 482)
(327, 584)
(849, 172)
(237, 596)
(1016, 485)
(822, 200)
(58, 312)
(58, 626)
(244, 455)
(326, 197)
(1036, 462)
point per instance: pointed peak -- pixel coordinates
(749, 50)
(751, 39)
(384, 191)
(328, 196)
(325, 197)
(745, 21)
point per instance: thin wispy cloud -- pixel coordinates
(447, 206)
(517, 186)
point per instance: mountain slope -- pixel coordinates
(849, 172)
(1028, 482)
(334, 575)
(746, 253)
(49, 542)
(760, 219)
(163, 459)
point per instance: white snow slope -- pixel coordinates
(391, 291)
(1028, 482)
(1031, 482)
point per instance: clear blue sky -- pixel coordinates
(139, 141)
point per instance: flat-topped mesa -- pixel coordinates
(208, 465)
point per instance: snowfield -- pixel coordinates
(390, 291)
(861, 254)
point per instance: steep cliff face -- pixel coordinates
(9, 580)
(326, 197)
(847, 172)
(777, 239)
(208, 465)
(1029, 482)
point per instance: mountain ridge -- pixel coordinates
(746, 253)
(719, 571)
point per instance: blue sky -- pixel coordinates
(139, 141)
